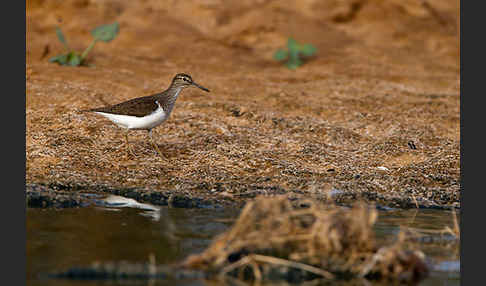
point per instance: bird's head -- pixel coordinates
(184, 80)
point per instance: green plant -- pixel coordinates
(104, 33)
(294, 54)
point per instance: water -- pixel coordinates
(61, 238)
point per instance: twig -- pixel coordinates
(298, 265)
(252, 258)
(152, 265)
(423, 230)
(434, 13)
(415, 201)
(242, 262)
(256, 272)
(457, 229)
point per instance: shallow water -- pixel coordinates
(61, 238)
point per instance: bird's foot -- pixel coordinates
(157, 150)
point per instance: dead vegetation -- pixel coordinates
(274, 238)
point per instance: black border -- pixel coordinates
(20, 253)
(15, 212)
(13, 142)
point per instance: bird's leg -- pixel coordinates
(129, 149)
(153, 143)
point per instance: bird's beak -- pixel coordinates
(200, 86)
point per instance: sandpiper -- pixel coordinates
(147, 112)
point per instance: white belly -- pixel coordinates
(133, 122)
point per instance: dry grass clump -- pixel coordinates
(274, 238)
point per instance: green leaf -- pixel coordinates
(106, 33)
(308, 50)
(292, 44)
(294, 55)
(280, 55)
(293, 62)
(69, 59)
(74, 59)
(61, 59)
(60, 36)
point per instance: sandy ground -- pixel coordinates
(375, 114)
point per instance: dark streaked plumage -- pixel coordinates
(139, 107)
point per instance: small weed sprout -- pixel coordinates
(104, 33)
(295, 53)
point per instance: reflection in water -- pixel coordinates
(117, 202)
(117, 229)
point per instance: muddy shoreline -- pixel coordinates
(63, 196)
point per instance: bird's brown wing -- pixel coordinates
(135, 107)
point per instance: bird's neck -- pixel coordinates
(169, 97)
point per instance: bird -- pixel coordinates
(147, 112)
